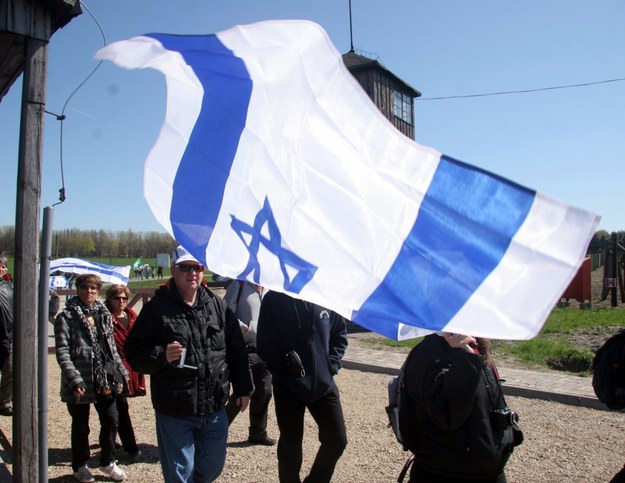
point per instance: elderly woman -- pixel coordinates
(91, 372)
(123, 319)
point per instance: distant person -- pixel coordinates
(124, 318)
(6, 324)
(6, 300)
(468, 431)
(4, 270)
(303, 344)
(244, 299)
(91, 373)
(190, 344)
(159, 271)
(54, 304)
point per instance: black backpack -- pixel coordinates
(608, 372)
(401, 411)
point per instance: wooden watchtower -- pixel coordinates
(393, 96)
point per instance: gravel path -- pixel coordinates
(562, 443)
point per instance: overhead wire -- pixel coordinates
(62, 116)
(521, 91)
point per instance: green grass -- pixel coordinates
(567, 320)
(410, 343)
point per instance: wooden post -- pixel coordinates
(25, 396)
(615, 269)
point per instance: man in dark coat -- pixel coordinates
(190, 344)
(303, 344)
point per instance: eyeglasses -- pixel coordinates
(186, 268)
(90, 287)
(121, 298)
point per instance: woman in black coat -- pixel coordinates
(91, 373)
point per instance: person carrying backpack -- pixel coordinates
(461, 429)
(608, 379)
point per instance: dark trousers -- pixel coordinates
(107, 411)
(259, 401)
(6, 383)
(328, 414)
(125, 430)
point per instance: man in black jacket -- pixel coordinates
(303, 344)
(191, 345)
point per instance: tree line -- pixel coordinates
(97, 243)
(103, 243)
(601, 239)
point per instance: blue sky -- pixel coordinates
(566, 143)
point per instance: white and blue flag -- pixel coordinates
(274, 166)
(107, 273)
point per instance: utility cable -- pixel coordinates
(61, 117)
(522, 91)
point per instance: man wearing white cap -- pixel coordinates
(190, 343)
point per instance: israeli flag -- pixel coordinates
(275, 167)
(107, 273)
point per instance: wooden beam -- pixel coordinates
(25, 395)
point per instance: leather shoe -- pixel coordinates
(263, 440)
(6, 411)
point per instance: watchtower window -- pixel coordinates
(402, 106)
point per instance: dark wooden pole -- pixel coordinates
(614, 261)
(25, 420)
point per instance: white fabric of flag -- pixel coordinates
(107, 273)
(274, 166)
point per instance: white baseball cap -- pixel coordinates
(180, 255)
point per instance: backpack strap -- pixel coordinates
(405, 469)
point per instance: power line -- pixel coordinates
(523, 91)
(62, 116)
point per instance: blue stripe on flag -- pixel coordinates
(464, 227)
(205, 165)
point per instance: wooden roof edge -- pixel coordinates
(355, 62)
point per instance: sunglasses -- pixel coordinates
(186, 268)
(120, 298)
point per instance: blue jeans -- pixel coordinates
(192, 448)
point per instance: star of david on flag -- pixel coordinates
(274, 166)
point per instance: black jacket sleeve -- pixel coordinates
(144, 347)
(267, 337)
(236, 356)
(338, 341)
(5, 344)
